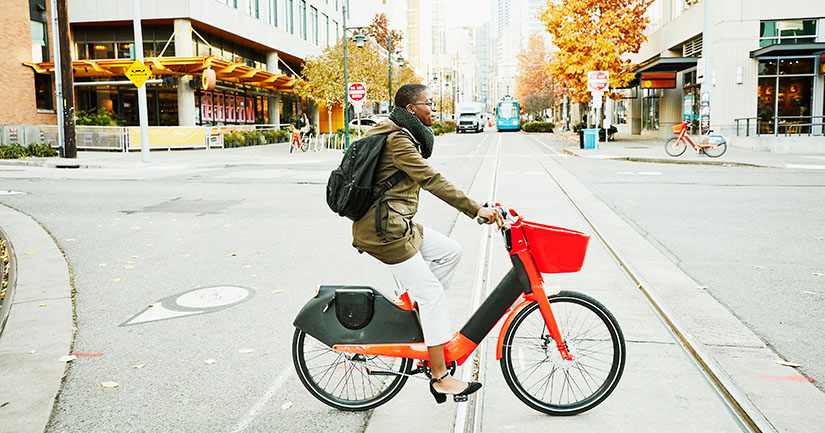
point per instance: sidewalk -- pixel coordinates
(646, 149)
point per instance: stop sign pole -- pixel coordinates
(597, 83)
(356, 94)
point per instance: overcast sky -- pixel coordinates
(459, 13)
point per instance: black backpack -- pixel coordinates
(349, 188)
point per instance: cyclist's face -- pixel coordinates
(422, 108)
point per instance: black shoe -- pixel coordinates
(441, 397)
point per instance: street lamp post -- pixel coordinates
(390, 52)
(360, 39)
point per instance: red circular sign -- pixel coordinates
(598, 80)
(357, 92)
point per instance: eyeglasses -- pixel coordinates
(421, 103)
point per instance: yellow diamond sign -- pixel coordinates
(138, 73)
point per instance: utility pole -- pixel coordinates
(66, 81)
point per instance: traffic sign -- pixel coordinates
(597, 81)
(356, 92)
(138, 73)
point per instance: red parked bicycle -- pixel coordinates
(711, 145)
(560, 354)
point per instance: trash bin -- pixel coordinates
(591, 138)
(581, 138)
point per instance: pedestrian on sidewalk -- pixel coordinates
(422, 259)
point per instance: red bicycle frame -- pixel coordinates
(519, 287)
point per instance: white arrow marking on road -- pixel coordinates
(197, 301)
(157, 312)
(8, 192)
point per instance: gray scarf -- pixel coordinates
(422, 133)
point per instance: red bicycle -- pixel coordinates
(300, 140)
(560, 354)
(711, 145)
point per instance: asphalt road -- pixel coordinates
(754, 236)
(132, 242)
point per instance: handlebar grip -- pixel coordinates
(482, 220)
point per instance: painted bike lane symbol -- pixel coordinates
(193, 302)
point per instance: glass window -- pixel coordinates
(313, 15)
(252, 8)
(273, 13)
(290, 16)
(43, 91)
(765, 104)
(302, 18)
(326, 32)
(124, 50)
(40, 50)
(787, 32)
(793, 102)
(796, 66)
(650, 109)
(102, 50)
(767, 67)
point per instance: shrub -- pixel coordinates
(538, 127)
(579, 126)
(438, 131)
(43, 150)
(95, 118)
(234, 139)
(612, 130)
(270, 137)
(281, 136)
(449, 126)
(13, 151)
(254, 138)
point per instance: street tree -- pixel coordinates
(322, 77)
(592, 35)
(379, 29)
(534, 84)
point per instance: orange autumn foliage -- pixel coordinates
(592, 35)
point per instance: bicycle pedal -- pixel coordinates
(459, 398)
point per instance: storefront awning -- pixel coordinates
(225, 71)
(789, 50)
(668, 64)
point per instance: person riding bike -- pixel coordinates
(421, 259)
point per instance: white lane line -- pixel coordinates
(806, 166)
(550, 148)
(263, 401)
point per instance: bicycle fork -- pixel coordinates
(538, 294)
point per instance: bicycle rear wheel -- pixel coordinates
(541, 378)
(675, 147)
(347, 381)
(715, 151)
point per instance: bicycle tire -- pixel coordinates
(336, 382)
(715, 151)
(291, 146)
(304, 147)
(675, 147)
(593, 337)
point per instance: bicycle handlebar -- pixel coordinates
(499, 208)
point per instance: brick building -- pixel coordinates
(26, 97)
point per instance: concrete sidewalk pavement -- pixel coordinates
(647, 149)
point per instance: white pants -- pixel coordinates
(425, 276)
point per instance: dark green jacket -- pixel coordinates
(401, 236)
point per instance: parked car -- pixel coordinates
(366, 123)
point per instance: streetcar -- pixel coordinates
(507, 116)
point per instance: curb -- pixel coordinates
(674, 161)
(39, 329)
(12, 281)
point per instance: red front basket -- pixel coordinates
(555, 249)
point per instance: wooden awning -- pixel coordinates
(224, 71)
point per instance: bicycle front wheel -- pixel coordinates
(541, 378)
(715, 151)
(347, 381)
(675, 147)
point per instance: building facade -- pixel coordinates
(266, 39)
(767, 78)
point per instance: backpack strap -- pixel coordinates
(391, 182)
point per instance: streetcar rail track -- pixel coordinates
(749, 418)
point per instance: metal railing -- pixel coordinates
(126, 138)
(781, 125)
